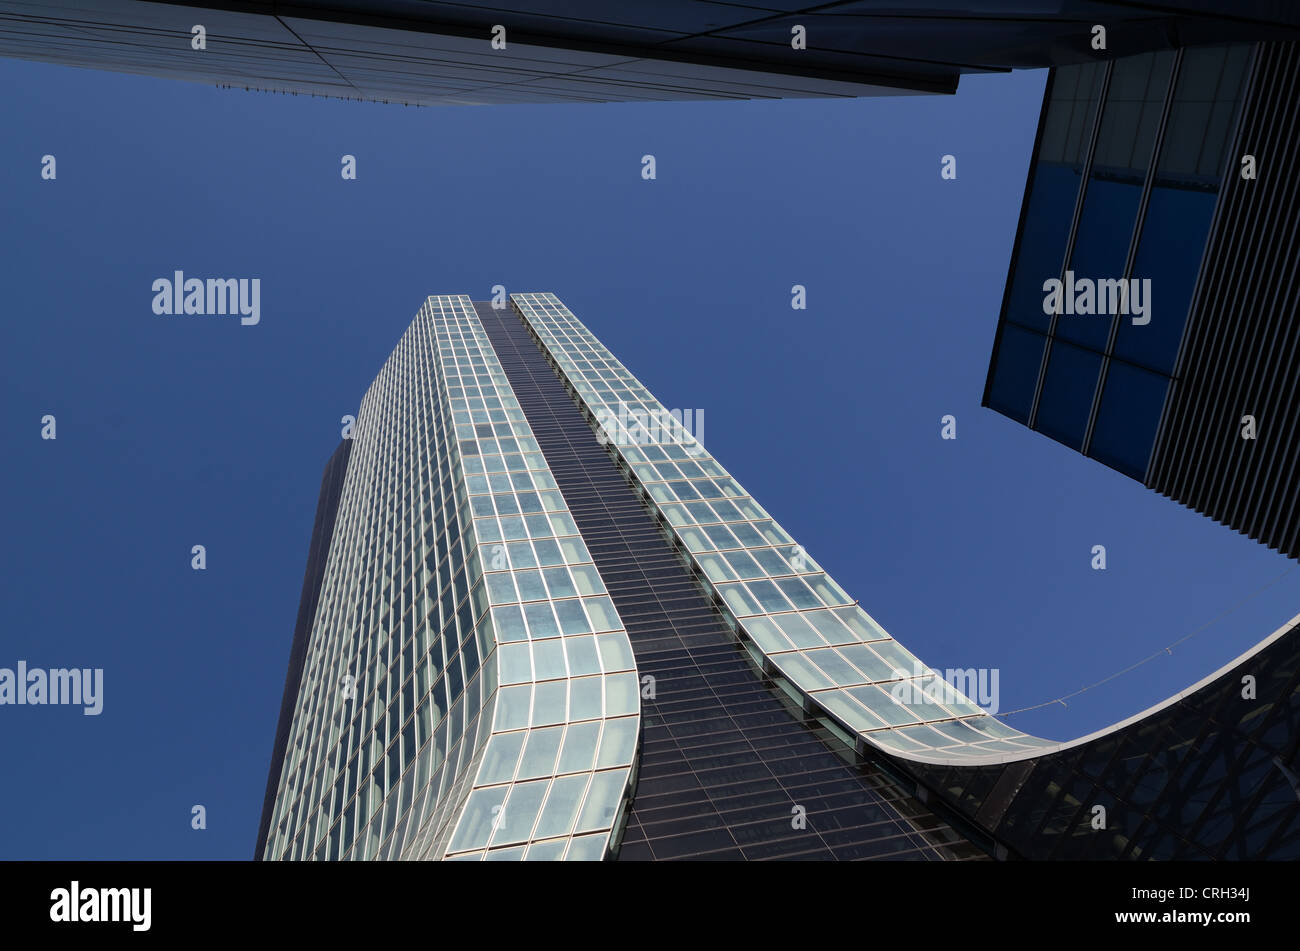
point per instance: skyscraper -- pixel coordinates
(552, 625)
(1149, 315)
(593, 51)
(498, 612)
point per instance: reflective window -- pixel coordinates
(1015, 372)
(1100, 251)
(1067, 125)
(1204, 106)
(1125, 431)
(1042, 243)
(1129, 120)
(1135, 99)
(1182, 200)
(1169, 255)
(1066, 402)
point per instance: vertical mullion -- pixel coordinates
(1139, 221)
(1102, 93)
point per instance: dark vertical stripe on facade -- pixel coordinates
(331, 489)
(725, 757)
(1241, 351)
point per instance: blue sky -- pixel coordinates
(181, 431)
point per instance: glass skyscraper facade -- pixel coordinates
(468, 686)
(551, 625)
(432, 52)
(1157, 204)
(467, 681)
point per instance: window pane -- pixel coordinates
(515, 820)
(618, 743)
(539, 755)
(579, 747)
(500, 759)
(1134, 101)
(478, 818)
(1067, 126)
(1169, 255)
(561, 806)
(602, 801)
(1125, 432)
(1068, 389)
(1015, 372)
(541, 621)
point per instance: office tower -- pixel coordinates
(1162, 202)
(497, 615)
(404, 653)
(552, 625)
(593, 51)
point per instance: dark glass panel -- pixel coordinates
(1200, 119)
(1015, 375)
(1129, 120)
(1182, 200)
(1169, 255)
(1135, 99)
(1042, 243)
(1100, 252)
(1066, 402)
(1125, 431)
(1067, 129)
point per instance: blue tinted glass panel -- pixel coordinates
(1066, 132)
(1131, 403)
(1015, 375)
(1068, 388)
(1100, 249)
(1169, 255)
(1121, 160)
(1042, 242)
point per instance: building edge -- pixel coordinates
(331, 490)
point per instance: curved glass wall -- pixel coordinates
(776, 597)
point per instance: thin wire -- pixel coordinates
(1160, 653)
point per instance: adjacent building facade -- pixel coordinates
(550, 625)
(1150, 310)
(594, 51)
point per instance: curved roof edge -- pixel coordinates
(952, 760)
